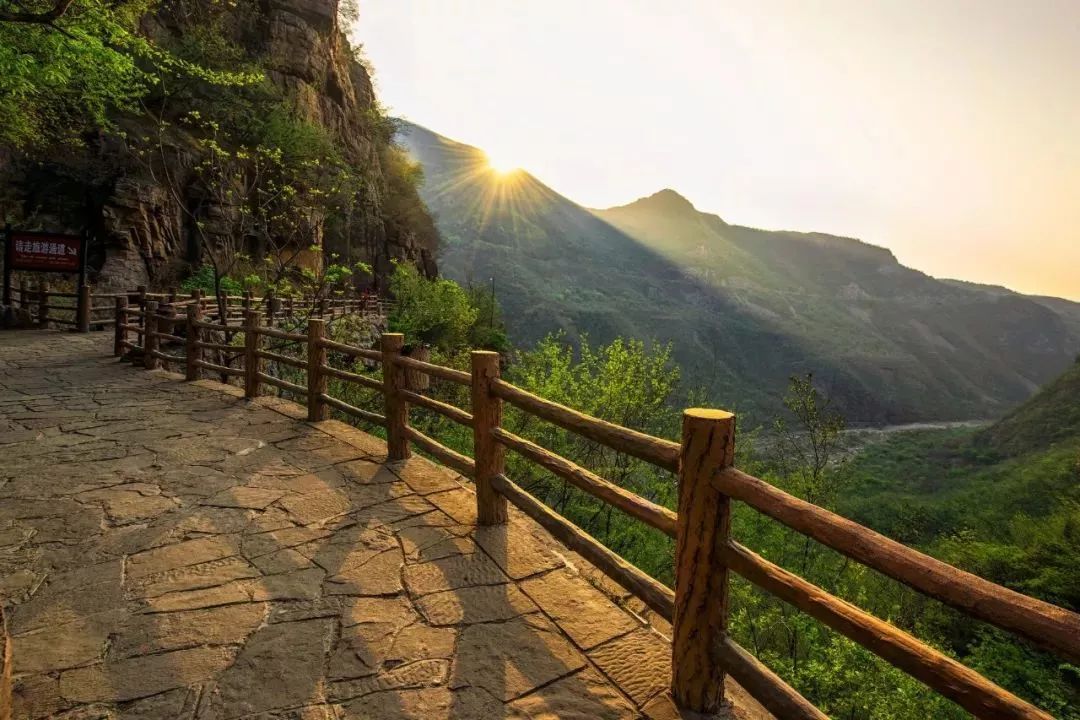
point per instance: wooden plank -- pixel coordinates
(443, 373)
(454, 413)
(653, 593)
(662, 453)
(219, 368)
(283, 359)
(213, 326)
(282, 335)
(1046, 625)
(167, 336)
(234, 350)
(636, 506)
(283, 384)
(944, 675)
(353, 410)
(357, 378)
(764, 685)
(350, 350)
(167, 357)
(463, 464)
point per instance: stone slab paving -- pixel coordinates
(169, 550)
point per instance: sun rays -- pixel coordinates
(491, 186)
(500, 164)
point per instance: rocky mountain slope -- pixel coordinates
(744, 308)
(144, 234)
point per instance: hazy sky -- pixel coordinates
(946, 130)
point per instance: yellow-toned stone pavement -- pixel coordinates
(170, 550)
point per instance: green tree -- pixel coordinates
(435, 312)
(66, 66)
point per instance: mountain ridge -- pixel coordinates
(744, 308)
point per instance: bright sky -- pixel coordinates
(946, 130)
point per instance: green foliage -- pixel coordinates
(627, 382)
(808, 450)
(636, 384)
(62, 79)
(434, 312)
(203, 279)
(1053, 415)
(73, 77)
(1014, 520)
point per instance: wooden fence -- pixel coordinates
(53, 308)
(706, 554)
(86, 309)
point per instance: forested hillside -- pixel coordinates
(1002, 502)
(744, 308)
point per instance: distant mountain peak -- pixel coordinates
(666, 201)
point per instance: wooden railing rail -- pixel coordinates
(636, 506)
(662, 453)
(1041, 623)
(705, 553)
(42, 302)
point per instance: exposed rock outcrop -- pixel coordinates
(145, 237)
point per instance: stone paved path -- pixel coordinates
(168, 550)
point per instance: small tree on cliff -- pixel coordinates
(261, 206)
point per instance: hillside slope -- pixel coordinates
(1003, 501)
(744, 308)
(1051, 417)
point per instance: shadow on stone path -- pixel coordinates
(169, 550)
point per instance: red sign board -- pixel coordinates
(44, 252)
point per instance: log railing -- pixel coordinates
(81, 311)
(705, 556)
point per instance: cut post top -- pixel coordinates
(707, 414)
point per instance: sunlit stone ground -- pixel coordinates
(168, 550)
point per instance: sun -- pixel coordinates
(500, 164)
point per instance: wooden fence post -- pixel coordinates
(490, 455)
(43, 303)
(701, 578)
(120, 329)
(150, 341)
(82, 310)
(192, 340)
(140, 300)
(397, 410)
(268, 305)
(251, 359)
(316, 378)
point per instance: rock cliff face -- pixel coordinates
(144, 237)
